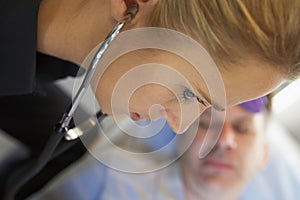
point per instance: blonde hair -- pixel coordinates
(231, 29)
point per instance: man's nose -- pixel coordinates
(227, 138)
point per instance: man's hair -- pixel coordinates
(233, 29)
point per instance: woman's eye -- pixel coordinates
(188, 94)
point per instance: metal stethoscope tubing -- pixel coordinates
(63, 125)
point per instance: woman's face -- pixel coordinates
(153, 73)
(138, 84)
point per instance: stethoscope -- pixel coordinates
(63, 129)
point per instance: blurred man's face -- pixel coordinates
(239, 153)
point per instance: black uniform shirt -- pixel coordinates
(22, 69)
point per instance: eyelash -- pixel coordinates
(188, 94)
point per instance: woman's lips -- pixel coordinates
(135, 116)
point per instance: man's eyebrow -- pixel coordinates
(207, 100)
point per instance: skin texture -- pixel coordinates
(71, 29)
(142, 100)
(240, 152)
(84, 24)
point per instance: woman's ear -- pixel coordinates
(118, 9)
